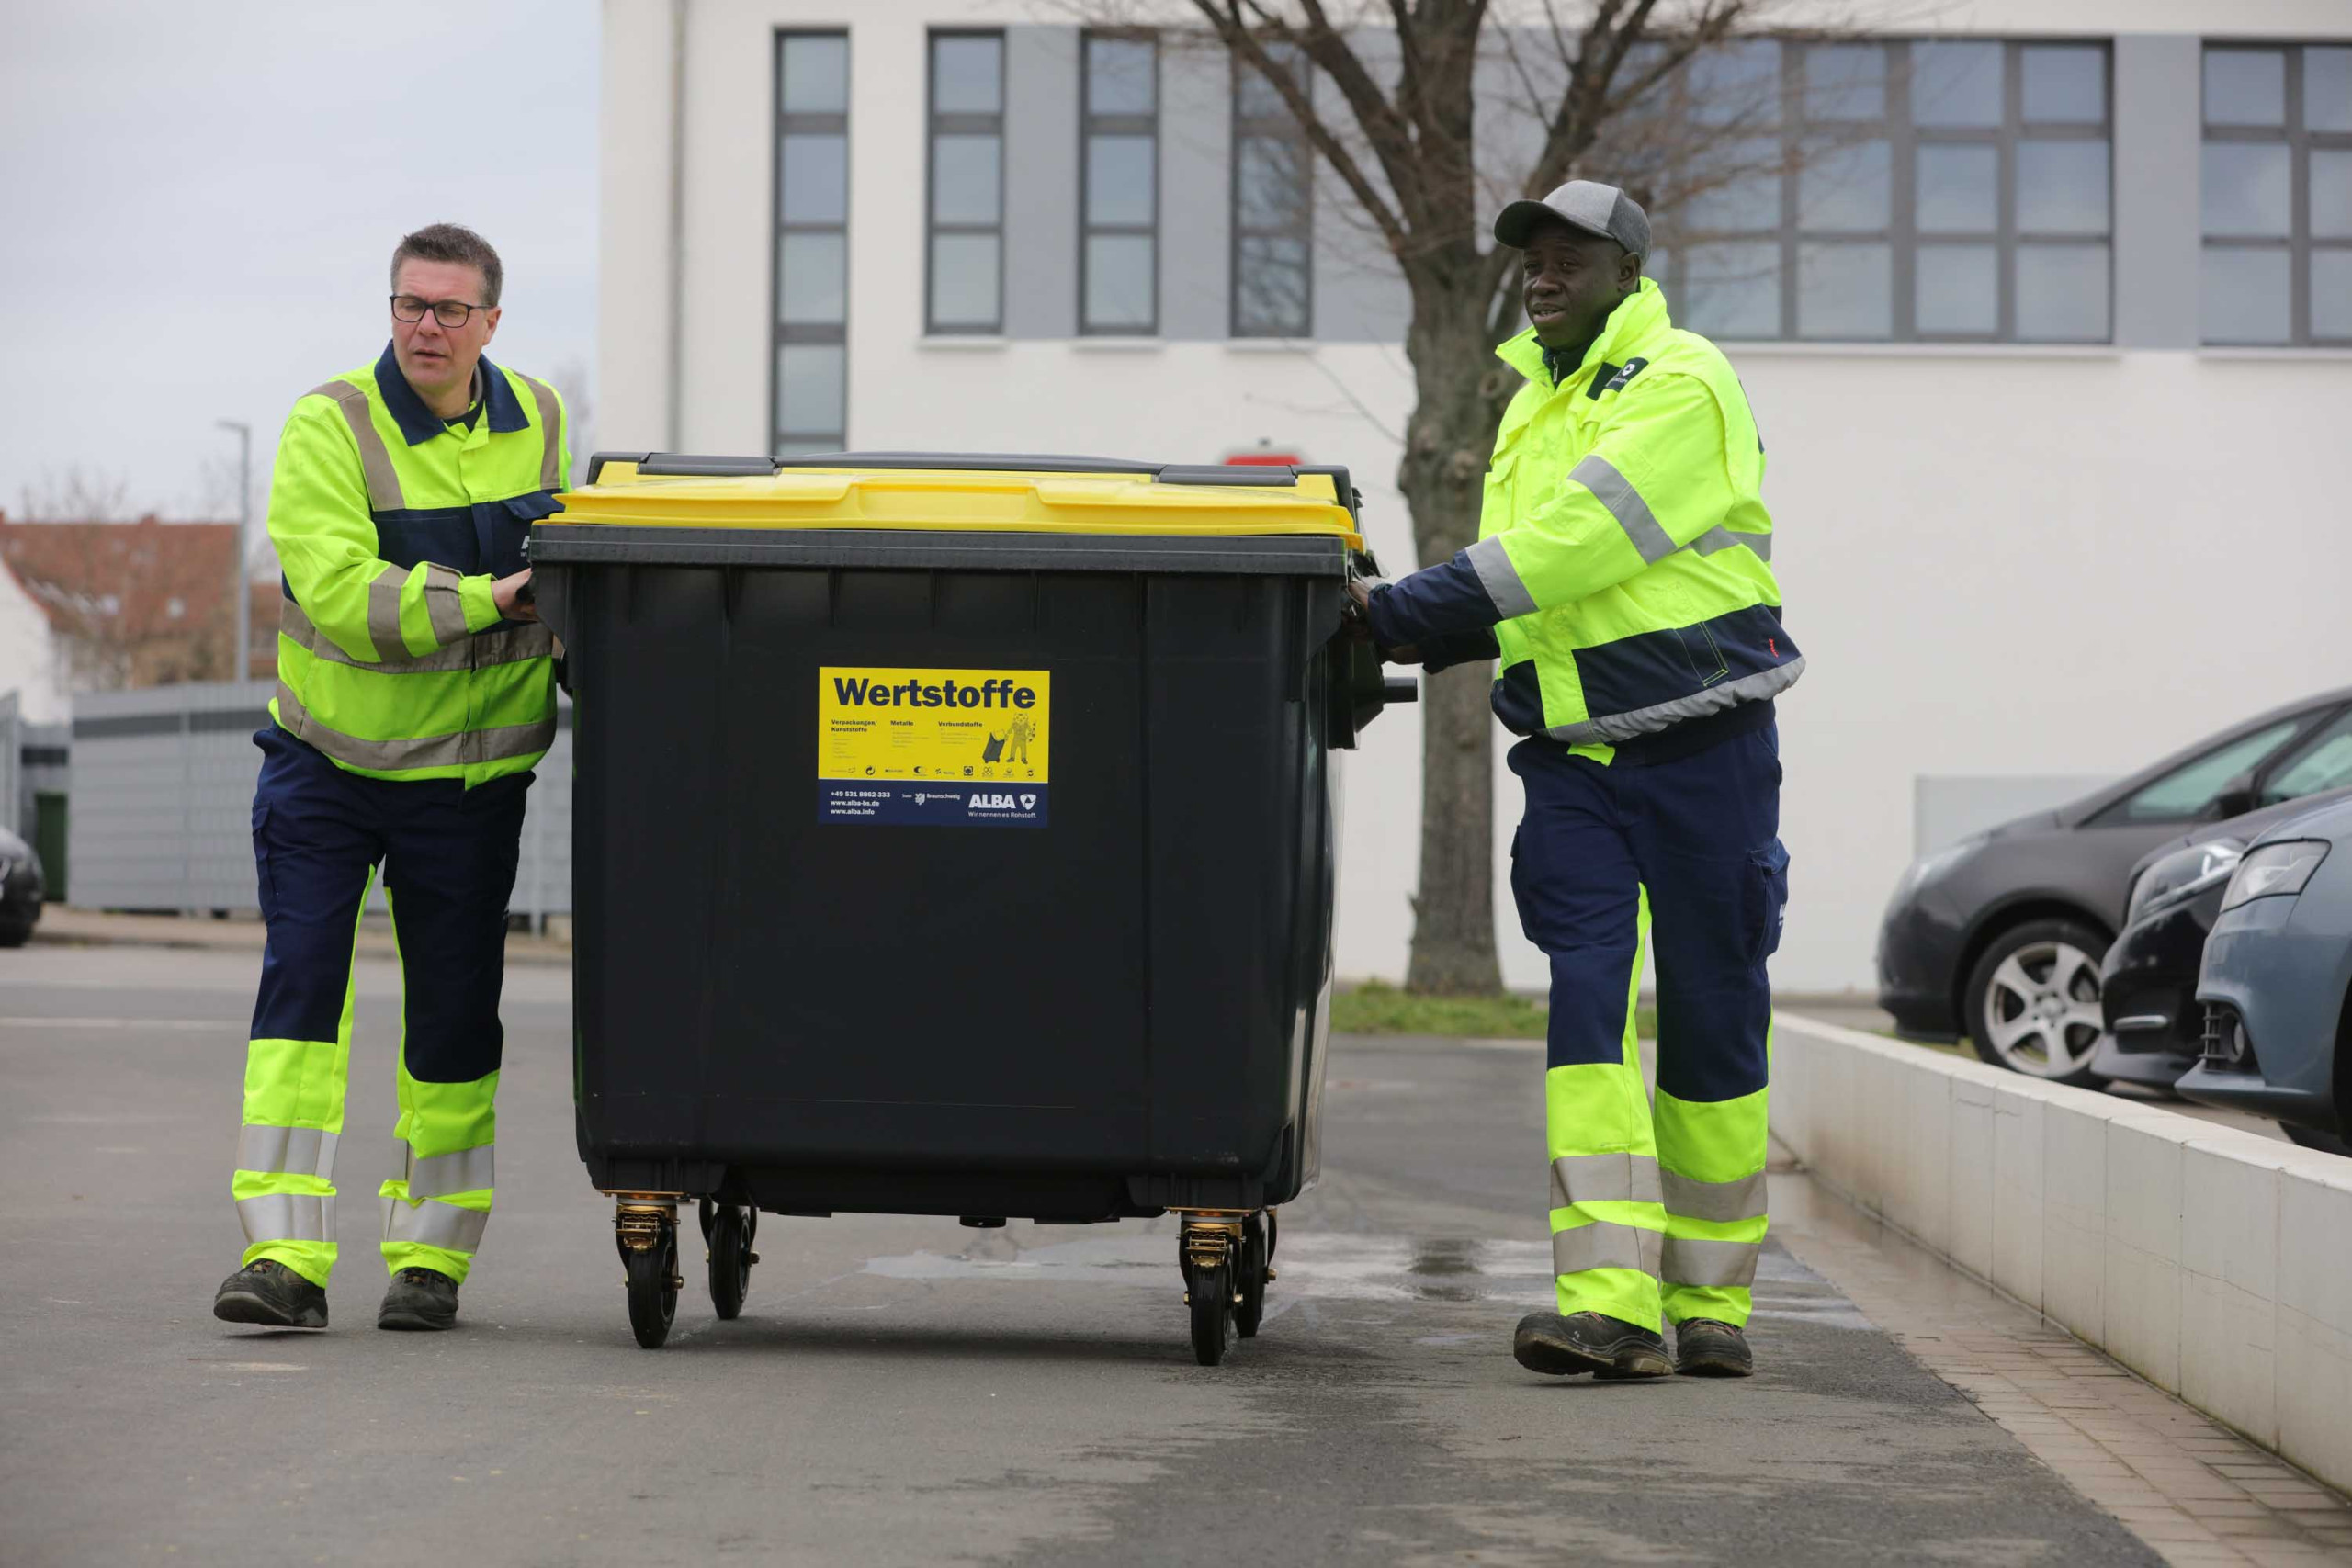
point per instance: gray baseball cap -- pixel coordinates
(1588, 205)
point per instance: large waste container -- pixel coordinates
(955, 836)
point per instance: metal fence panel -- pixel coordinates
(162, 802)
(11, 766)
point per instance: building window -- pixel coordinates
(965, 261)
(2277, 195)
(1118, 264)
(810, 393)
(1273, 205)
(1952, 190)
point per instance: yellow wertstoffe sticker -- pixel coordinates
(945, 748)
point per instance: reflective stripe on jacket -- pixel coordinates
(1623, 549)
(391, 528)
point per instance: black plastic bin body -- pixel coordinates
(1121, 1011)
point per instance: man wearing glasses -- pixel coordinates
(415, 692)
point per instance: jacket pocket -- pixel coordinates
(1499, 468)
(1767, 880)
(503, 525)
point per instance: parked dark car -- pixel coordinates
(20, 890)
(2156, 1026)
(2277, 983)
(1999, 938)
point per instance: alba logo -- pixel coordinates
(987, 802)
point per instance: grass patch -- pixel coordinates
(1376, 1006)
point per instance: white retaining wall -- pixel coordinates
(2214, 1262)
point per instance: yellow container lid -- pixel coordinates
(960, 495)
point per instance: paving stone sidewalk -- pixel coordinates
(2192, 1489)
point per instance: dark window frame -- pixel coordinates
(2305, 746)
(2302, 724)
(1281, 126)
(1804, 142)
(796, 334)
(937, 125)
(2299, 245)
(1091, 124)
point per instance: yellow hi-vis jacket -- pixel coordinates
(391, 525)
(1622, 571)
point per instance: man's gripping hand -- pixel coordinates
(1360, 595)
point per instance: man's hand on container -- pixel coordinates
(1360, 594)
(512, 596)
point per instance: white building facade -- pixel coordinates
(2056, 375)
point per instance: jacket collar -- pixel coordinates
(1636, 316)
(421, 424)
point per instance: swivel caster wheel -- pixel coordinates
(651, 1268)
(1211, 1298)
(729, 1230)
(1251, 1284)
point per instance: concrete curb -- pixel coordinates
(61, 927)
(2209, 1260)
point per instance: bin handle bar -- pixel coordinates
(720, 466)
(690, 464)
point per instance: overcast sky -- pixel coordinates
(201, 200)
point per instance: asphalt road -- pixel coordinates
(899, 1390)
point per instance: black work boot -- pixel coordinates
(419, 1298)
(1706, 1348)
(1589, 1342)
(267, 1293)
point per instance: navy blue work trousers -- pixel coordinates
(1657, 1209)
(448, 856)
(1701, 836)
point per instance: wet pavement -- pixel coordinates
(900, 1390)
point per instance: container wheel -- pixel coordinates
(1252, 1283)
(730, 1232)
(1212, 1301)
(653, 1288)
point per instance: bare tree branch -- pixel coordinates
(1588, 103)
(1390, 138)
(1238, 36)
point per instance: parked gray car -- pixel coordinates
(1999, 937)
(2277, 983)
(20, 890)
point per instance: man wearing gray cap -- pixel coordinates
(1622, 579)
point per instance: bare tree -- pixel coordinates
(1436, 112)
(77, 495)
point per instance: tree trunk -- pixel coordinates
(1443, 477)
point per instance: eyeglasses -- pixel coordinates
(451, 314)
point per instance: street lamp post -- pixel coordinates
(241, 593)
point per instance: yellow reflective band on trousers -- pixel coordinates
(1657, 1214)
(284, 1183)
(436, 1209)
(1608, 1222)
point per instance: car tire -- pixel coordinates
(16, 936)
(2032, 1000)
(2312, 1138)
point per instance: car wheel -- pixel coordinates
(16, 936)
(2032, 1002)
(2312, 1138)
